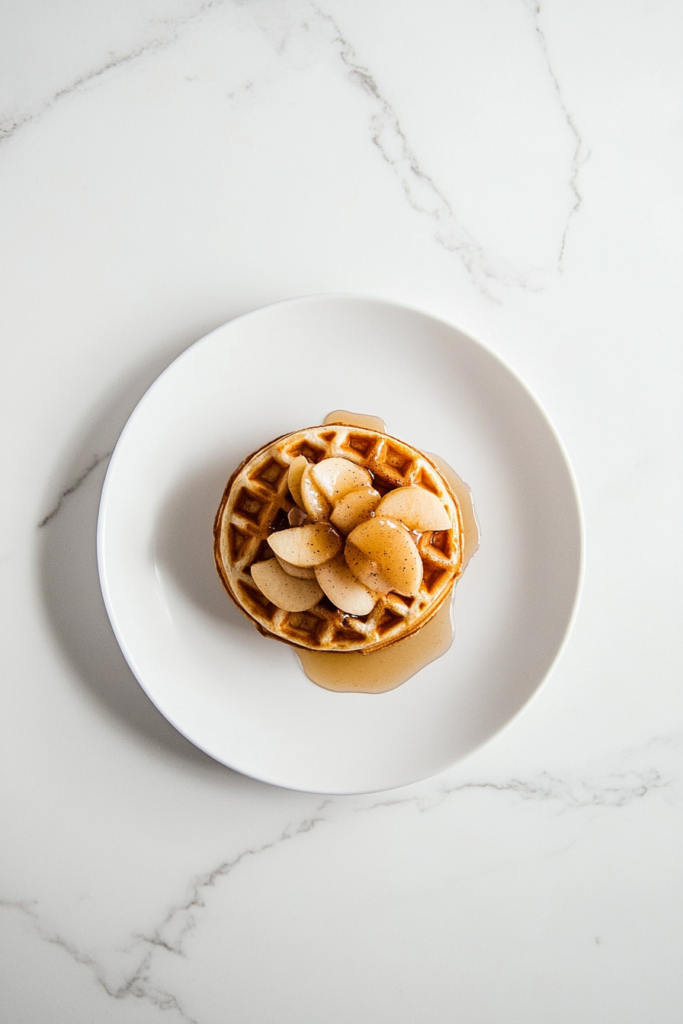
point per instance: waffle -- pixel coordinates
(256, 503)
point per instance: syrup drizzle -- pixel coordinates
(470, 523)
(355, 419)
(380, 671)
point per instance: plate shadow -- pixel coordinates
(69, 580)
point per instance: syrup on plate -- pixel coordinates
(379, 671)
(355, 419)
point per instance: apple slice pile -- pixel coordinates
(345, 540)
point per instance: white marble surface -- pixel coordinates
(515, 167)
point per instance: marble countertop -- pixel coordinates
(513, 166)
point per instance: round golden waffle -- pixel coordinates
(256, 502)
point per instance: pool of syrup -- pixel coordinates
(379, 671)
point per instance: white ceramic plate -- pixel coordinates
(244, 699)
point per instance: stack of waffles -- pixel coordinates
(338, 538)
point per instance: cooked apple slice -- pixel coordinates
(285, 592)
(416, 508)
(307, 545)
(336, 477)
(296, 470)
(389, 545)
(297, 517)
(343, 589)
(365, 570)
(354, 507)
(315, 503)
(300, 571)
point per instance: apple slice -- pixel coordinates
(315, 503)
(297, 517)
(336, 477)
(296, 470)
(416, 508)
(307, 545)
(285, 592)
(389, 545)
(300, 571)
(343, 589)
(365, 570)
(354, 507)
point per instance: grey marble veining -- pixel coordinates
(633, 776)
(161, 173)
(486, 269)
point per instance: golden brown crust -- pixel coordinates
(256, 501)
